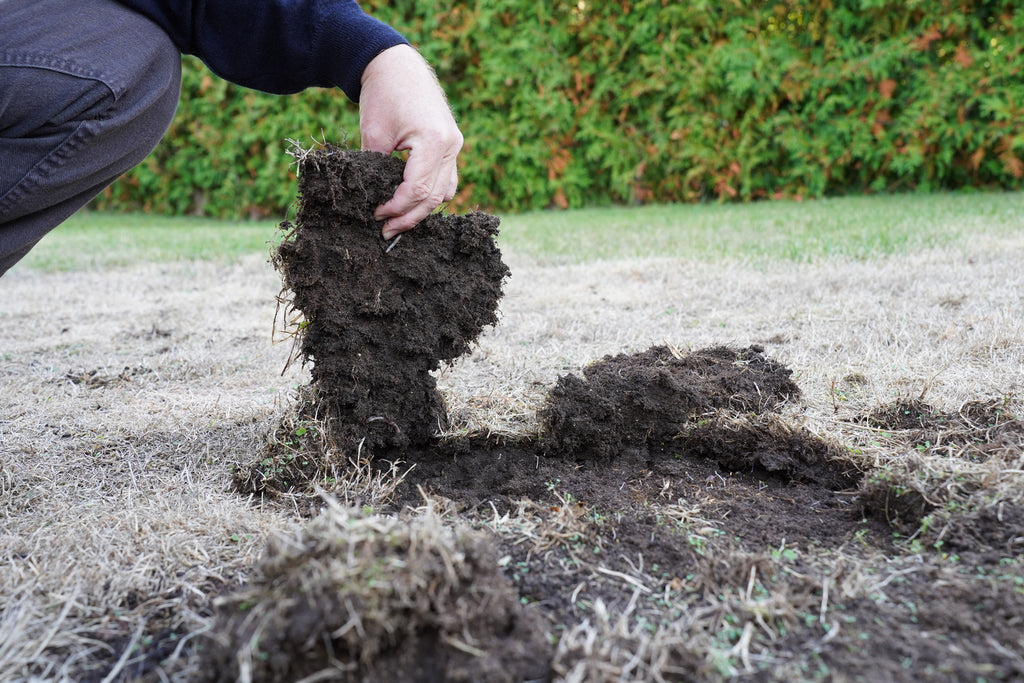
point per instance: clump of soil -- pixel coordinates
(370, 598)
(649, 399)
(769, 445)
(905, 413)
(378, 317)
(653, 428)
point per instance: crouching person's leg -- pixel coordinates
(87, 89)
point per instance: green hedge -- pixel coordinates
(586, 103)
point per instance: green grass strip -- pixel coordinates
(847, 228)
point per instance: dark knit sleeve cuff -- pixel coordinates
(349, 39)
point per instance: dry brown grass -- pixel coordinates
(128, 396)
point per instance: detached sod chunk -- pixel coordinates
(373, 598)
(379, 316)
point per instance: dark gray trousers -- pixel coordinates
(87, 89)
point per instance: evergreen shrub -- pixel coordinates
(569, 103)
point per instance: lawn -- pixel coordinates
(866, 525)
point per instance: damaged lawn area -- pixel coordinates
(482, 466)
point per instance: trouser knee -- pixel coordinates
(87, 89)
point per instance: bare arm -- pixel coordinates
(402, 107)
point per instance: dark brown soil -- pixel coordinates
(977, 432)
(744, 511)
(379, 316)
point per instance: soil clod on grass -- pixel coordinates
(970, 432)
(355, 597)
(650, 398)
(377, 316)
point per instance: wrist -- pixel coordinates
(355, 40)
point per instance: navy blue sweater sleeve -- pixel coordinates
(277, 46)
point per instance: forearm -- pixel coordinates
(278, 46)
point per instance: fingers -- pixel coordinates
(402, 107)
(426, 186)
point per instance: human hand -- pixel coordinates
(402, 107)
